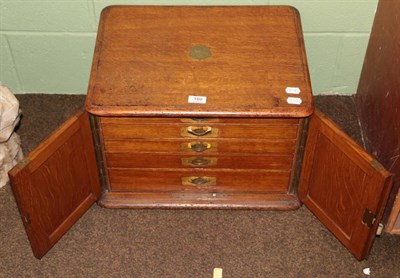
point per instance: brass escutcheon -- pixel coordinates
(200, 52)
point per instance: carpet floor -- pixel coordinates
(183, 243)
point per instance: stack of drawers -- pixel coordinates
(184, 155)
(193, 109)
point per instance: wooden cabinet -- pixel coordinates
(191, 109)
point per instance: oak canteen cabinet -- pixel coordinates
(200, 107)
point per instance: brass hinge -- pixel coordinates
(368, 218)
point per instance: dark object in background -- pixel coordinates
(378, 100)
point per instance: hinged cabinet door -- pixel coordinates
(343, 186)
(56, 183)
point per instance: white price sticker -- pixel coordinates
(293, 90)
(294, 100)
(197, 99)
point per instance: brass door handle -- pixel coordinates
(199, 131)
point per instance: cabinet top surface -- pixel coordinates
(240, 61)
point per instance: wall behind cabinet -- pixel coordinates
(47, 46)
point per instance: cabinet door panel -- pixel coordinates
(56, 183)
(343, 186)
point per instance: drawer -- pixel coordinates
(214, 130)
(179, 180)
(151, 160)
(210, 145)
(153, 120)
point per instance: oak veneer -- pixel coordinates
(212, 145)
(66, 158)
(142, 64)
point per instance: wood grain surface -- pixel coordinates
(221, 161)
(143, 67)
(234, 146)
(339, 181)
(118, 131)
(56, 183)
(166, 180)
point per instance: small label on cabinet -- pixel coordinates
(197, 99)
(294, 100)
(293, 90)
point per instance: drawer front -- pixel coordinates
(198, 131)
(151, 160)
(181, 180)
(151, 128)
(153, 120)
(209, 146)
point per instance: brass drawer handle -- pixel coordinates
(199, 131)
(199, 146)
(200, 161)
(197, 181)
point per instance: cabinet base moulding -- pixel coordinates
(205, 201)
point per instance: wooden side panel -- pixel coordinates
(339, 182)
(378, 96)
(56, 183)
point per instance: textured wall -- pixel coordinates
(47, 45)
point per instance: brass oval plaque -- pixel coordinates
(200, 52)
